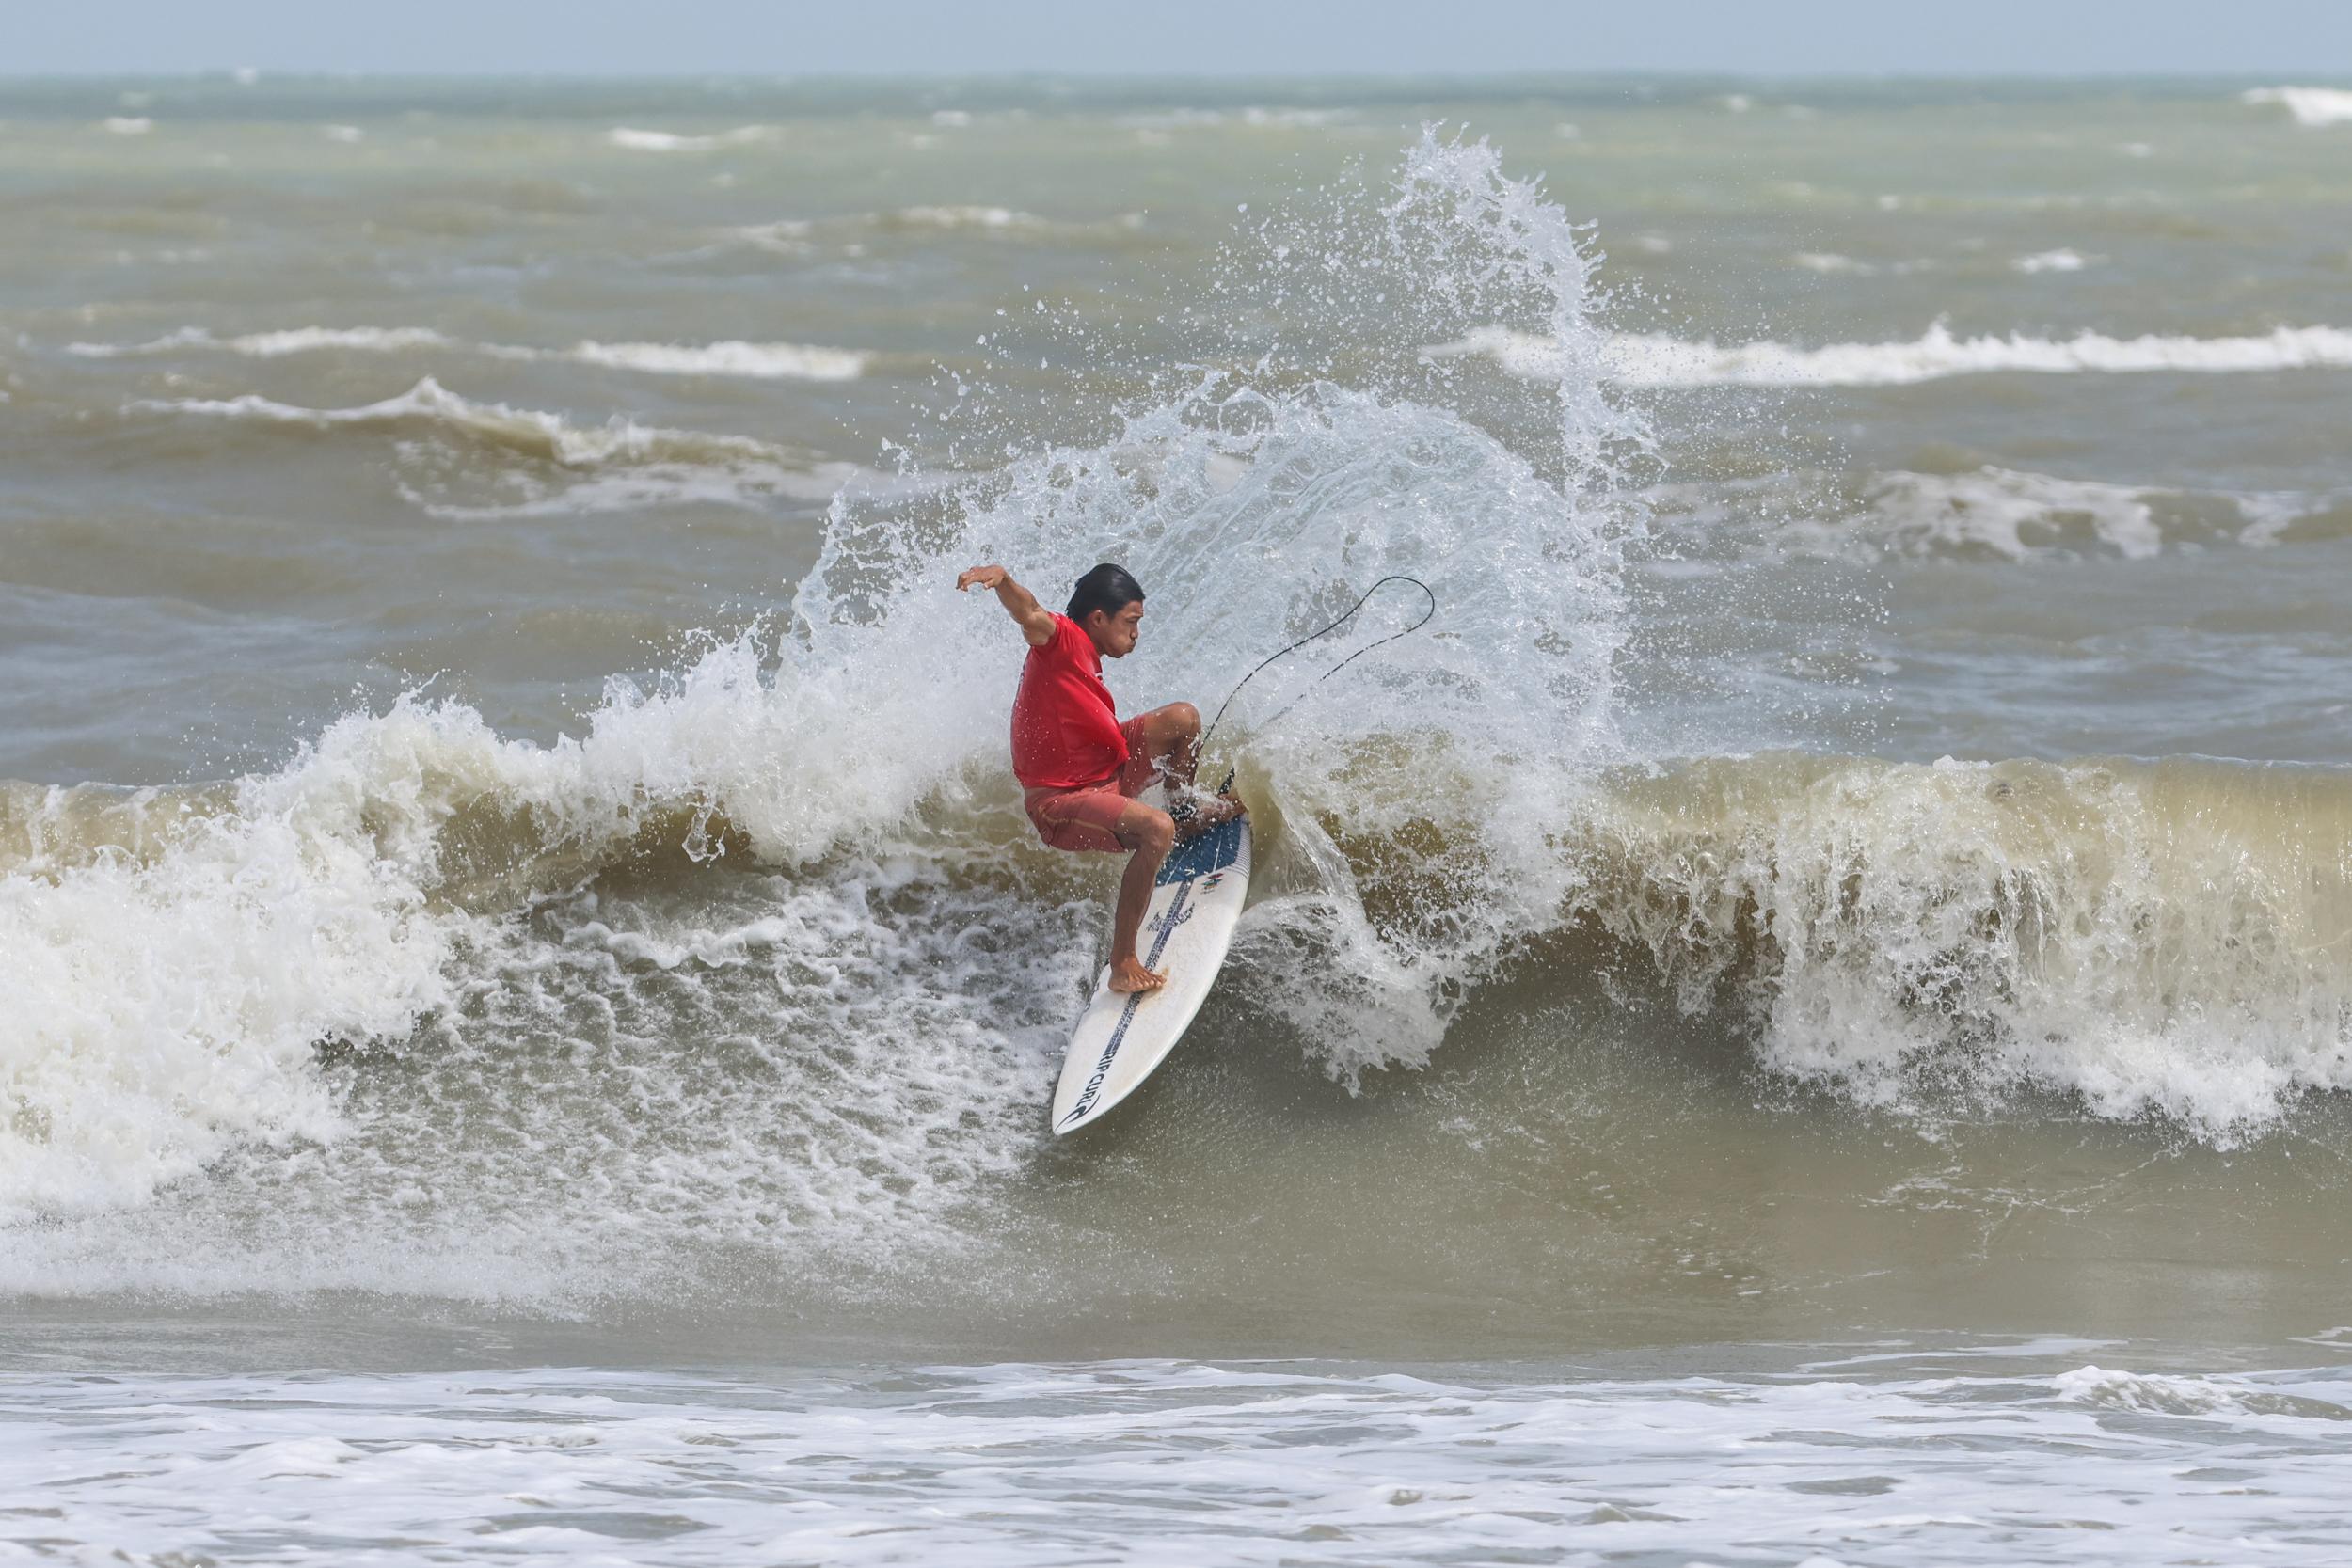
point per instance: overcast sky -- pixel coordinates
(2303, 40)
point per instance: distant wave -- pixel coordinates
(670, 141)
(1830, 262)
(1659, 360)
(967, 216)
(799, 236)
(2061, 260)
(530, 431)
(2311, 107)
(1987, 514)
(764, 361)
(1257, 117)
(270, 346)
(617, 466)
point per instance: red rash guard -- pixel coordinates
(1065, 728)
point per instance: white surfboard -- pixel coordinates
(1186, 930)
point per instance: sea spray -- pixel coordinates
(1255, 501)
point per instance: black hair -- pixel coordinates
(1107, 588)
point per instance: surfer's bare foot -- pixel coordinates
(1203, 812)
(1128, 976)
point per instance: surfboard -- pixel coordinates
(1186, 929)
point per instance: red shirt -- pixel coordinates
(1065, 728)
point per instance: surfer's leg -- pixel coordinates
(1151, 833)
(1164, 743)
(1079, 818)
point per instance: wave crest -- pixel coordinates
(2165, 939)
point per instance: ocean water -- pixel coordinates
(1806, 1019)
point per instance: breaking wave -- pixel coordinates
(2311, 106)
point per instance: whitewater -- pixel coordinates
(1834, 949)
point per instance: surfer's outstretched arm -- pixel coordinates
(1037, 622)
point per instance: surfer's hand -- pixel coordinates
(981, 577)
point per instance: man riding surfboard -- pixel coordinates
(1080, 769)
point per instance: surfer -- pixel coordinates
(1080, 769)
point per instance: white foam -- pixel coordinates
(128, 125)
(345, 133)
(2311, 106)
(671, 141)
(1657, 360)
(1176, 1462)
(164, 1011)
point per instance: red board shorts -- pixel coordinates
(1087, 817)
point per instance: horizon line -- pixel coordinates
(253, 75)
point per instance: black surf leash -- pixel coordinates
(1395, 577)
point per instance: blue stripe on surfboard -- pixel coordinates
(1213, 850)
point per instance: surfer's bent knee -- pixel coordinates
(1147, 830)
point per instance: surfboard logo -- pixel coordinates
(1102, 1070)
